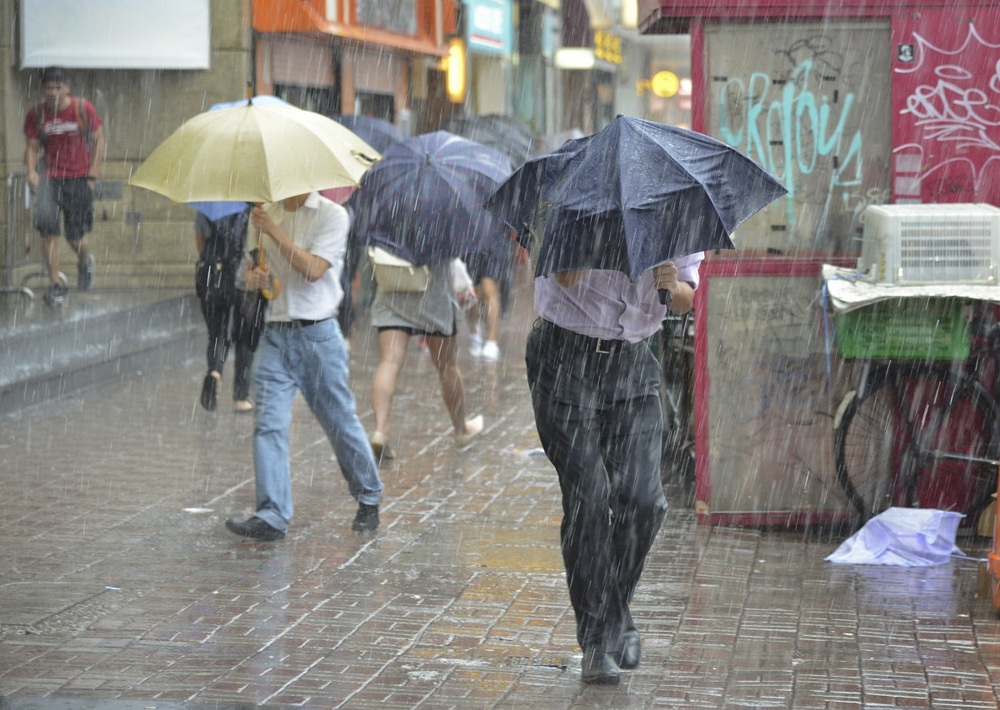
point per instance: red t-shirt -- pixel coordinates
(67, 152)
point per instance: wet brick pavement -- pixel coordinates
(121, 589)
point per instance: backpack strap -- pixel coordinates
(40, 122)
(81, 118)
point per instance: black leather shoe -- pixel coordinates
(629, 651)
(367, 518)
(599, 668)
(209, 392)
(255, 529)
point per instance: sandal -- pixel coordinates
(380, 447)
(243, 406)
(210, 390)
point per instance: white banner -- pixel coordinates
(116, 34)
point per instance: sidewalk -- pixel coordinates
(121, 588)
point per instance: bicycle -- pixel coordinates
(677, 396)
(924, 433)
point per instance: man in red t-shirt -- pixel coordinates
(67, 134)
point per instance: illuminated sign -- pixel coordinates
(665, 84)
(607, 47)
(489, 26)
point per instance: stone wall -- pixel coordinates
(139, 238)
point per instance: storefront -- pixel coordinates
(353, 56)
(489, 41)
(850, 104)
(589, 59)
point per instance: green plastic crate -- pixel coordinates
(905, 329)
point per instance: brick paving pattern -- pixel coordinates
(120, 583)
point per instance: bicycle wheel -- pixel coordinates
(866, 447)
(957, 452)
(919, 437)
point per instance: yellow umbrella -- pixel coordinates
(254, 153)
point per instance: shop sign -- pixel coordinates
(607, 47)
(488, 26)
(392, 15)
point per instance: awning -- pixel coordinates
(603, 13)
(287, 16)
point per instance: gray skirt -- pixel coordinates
(435, 311)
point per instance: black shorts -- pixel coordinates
(70, 197)
(416, 331)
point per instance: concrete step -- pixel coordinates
(47, 353)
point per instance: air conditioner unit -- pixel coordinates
(931, 244)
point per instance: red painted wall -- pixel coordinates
(946, 105)
(945, 118)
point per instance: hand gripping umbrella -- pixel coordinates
(630, 197)
(423, 201)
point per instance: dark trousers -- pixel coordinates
(222, 307)
(599, 419)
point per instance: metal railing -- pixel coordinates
(24, 247)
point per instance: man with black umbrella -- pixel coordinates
(595, 391)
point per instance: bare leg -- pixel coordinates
(489, 296)
(392, 353)
(472, 317)
(82, 250)
(51, 246)
(442, 351)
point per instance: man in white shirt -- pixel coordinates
(303, 350)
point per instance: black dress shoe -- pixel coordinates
(366, 519)
(255, 529)
(629, 650)
(599, 668)
(209, 392)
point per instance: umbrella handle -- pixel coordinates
(268, 293)
(664, 295)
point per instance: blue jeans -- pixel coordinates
(310, 359)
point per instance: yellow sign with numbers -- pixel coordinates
(607, 47)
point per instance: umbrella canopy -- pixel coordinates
(218, 210)
(502, 133)
(546, 144)
(634, 195)
(423, 201)
(254, 153)
(376, 132)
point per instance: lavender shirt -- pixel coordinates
(605, 304)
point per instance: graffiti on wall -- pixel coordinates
(952, 107)
(797, 122)
(768, 404)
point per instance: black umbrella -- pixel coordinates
(547, 144)
(424, 200)
(634, 195)
(376, 132)
(502, 133)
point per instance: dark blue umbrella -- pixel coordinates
(423, 200)
(630, 197)
(376, 132)
(505, 134)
